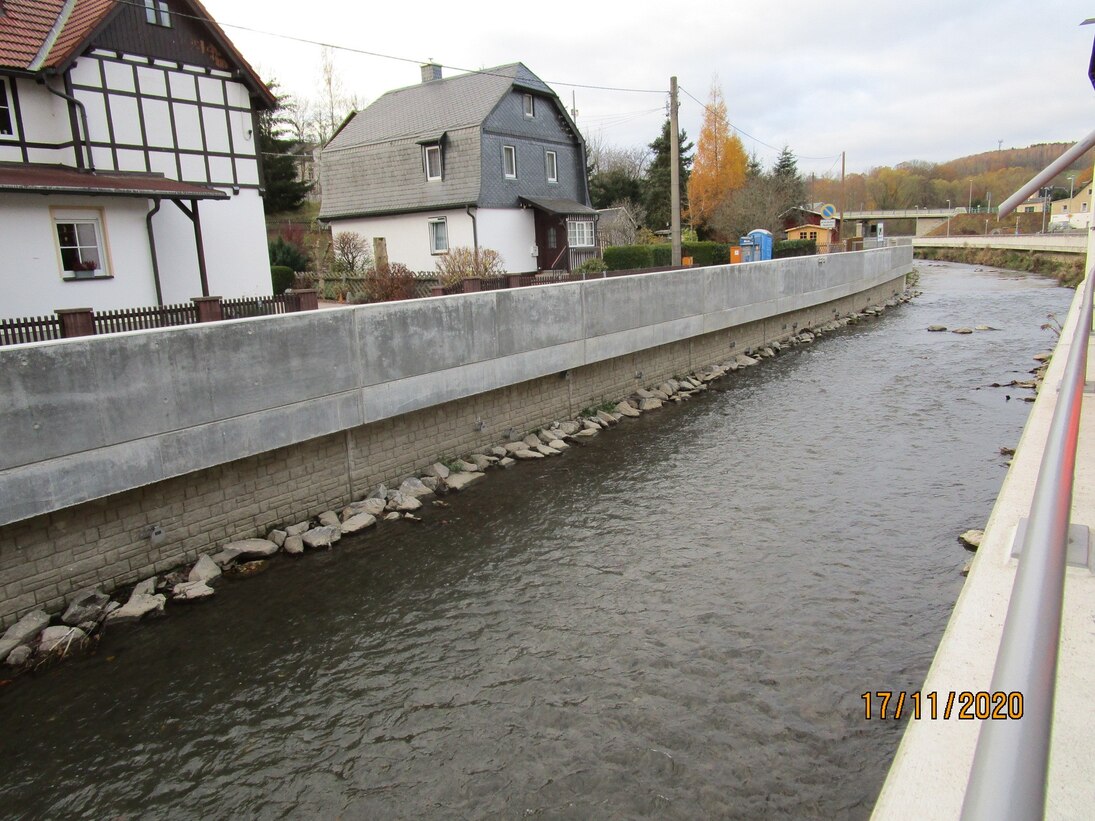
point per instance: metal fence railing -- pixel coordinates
(1010, 766)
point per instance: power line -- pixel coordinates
(751, 137)
(367, 53)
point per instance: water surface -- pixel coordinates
(675, 621)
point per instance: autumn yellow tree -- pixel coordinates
(720, 162)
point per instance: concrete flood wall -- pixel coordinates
(215, 432)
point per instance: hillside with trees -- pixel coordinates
(979, 181)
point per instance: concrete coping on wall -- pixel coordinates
(90, 417)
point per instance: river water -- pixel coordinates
(674, 621)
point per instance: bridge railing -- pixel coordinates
(1008, 777)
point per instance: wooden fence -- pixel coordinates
(73, 322)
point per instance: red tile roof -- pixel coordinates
(27, 25)
(57, 179)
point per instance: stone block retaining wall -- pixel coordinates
(107, 542)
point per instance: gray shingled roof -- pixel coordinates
(373, 165)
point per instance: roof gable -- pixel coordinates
(33, 33)
(438, 105)
(47, 35)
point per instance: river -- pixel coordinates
(674, 621)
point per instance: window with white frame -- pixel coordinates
(81, 247)
(530, 106)
(7, 120)
(157, 13)
(439, 235)
(580, 233)
(552, 163)
(509, 162)
(433, 162)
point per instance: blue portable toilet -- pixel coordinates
(749, 252)
(762, 243)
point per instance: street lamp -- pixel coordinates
(969, 208)
(949, 215)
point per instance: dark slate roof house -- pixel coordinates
(489, 158)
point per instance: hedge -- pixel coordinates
(627, 257)
(795, 248)
(281, 276)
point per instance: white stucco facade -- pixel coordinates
(177, 121)
(509, 231)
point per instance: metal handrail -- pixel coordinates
(1011, 762)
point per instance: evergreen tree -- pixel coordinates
(789, 183)
(659, 179)
(611, 187)
(284, 190)
(754, 168)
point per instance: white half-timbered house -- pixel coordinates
(129, 170)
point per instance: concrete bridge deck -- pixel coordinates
(929, 775)
(1053, 243)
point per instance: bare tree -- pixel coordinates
(351, 253)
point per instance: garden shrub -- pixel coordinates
(281, 276)
(283, 252)
(794, 248)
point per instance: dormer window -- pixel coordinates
(157, 13)
(530, 106)
(433, 162)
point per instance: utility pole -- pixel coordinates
(674, 173)
(842, 158)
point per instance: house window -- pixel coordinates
(433, 162)
(157, 13)
(530, 106)
(552, 240)
(80, 245)
(7, 127)
(580, 233)
(439, 236)
(552, 167)
(509, 162)
(813, 235)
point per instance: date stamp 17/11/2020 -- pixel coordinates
(966, 705)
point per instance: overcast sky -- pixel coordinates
(884, 81)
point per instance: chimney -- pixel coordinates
(431, 71)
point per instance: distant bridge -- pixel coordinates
(927, 219)
(1053, 243)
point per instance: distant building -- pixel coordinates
(823, 236)
(488, 159)
(616, 226)
(1075, 211)
(129, 173)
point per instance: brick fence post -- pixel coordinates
(209, 308)
(76, 322)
